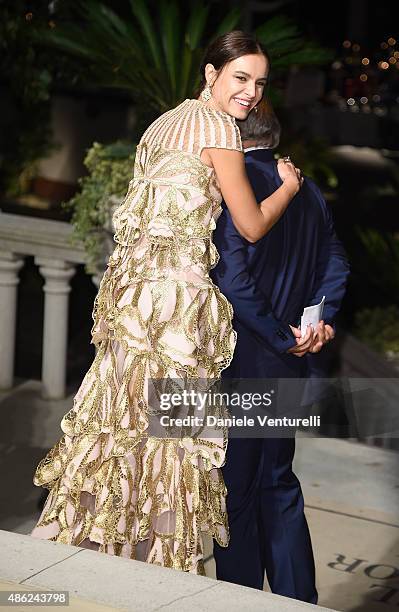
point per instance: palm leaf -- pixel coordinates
(121, 27)
(230, 22)
(157, 62)
(107, 28)
(142, 15)
(68, 41)
(286, 46)
(196, 25)
(185, 71)
(195, 76)
(170, 40)
(275, 29)
(303, 57)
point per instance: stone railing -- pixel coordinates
(49, 242)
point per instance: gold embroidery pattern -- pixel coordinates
(157, 314)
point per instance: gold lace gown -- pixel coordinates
(157, 315)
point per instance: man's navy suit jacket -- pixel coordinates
(269, 282)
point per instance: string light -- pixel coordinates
(354, 67)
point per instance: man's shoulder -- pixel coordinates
(262, 174)
(260, 158)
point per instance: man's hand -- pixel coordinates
(323, 334)
(304, 343)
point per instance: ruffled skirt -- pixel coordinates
(110, 482)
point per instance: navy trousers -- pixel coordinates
(268, 528)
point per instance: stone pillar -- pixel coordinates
(10, 265)
(57, 274)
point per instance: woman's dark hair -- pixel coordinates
(262, 126)
(229, 47)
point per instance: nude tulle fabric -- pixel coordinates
(157, 314)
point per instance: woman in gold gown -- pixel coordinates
(112, 486)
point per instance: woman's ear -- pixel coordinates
(210, 74)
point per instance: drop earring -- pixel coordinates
(255, 109)
(206, 93)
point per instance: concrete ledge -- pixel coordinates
(97, 578)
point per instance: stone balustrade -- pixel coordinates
(49, 242)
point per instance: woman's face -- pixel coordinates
(239, 85)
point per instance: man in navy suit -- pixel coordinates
(268, 284)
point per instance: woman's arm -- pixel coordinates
(253, 221)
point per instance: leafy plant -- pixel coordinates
(28, 75)
(381, 264)
(156, 62)
(26, 136)
(312, 157)
(156, 57)
(109, 172)
(379, 328)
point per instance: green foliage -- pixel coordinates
(110, 168)
(312, 157)
(26, 137)
(156, 57)
(381, 264)
(18, 60)
(28, 73)
(287, 46)
(156, 62)
(379, 328)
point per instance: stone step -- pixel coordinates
(94, 579)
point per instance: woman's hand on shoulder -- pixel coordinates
(252, 220)
(290, 174)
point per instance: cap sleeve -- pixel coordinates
(217, 130)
